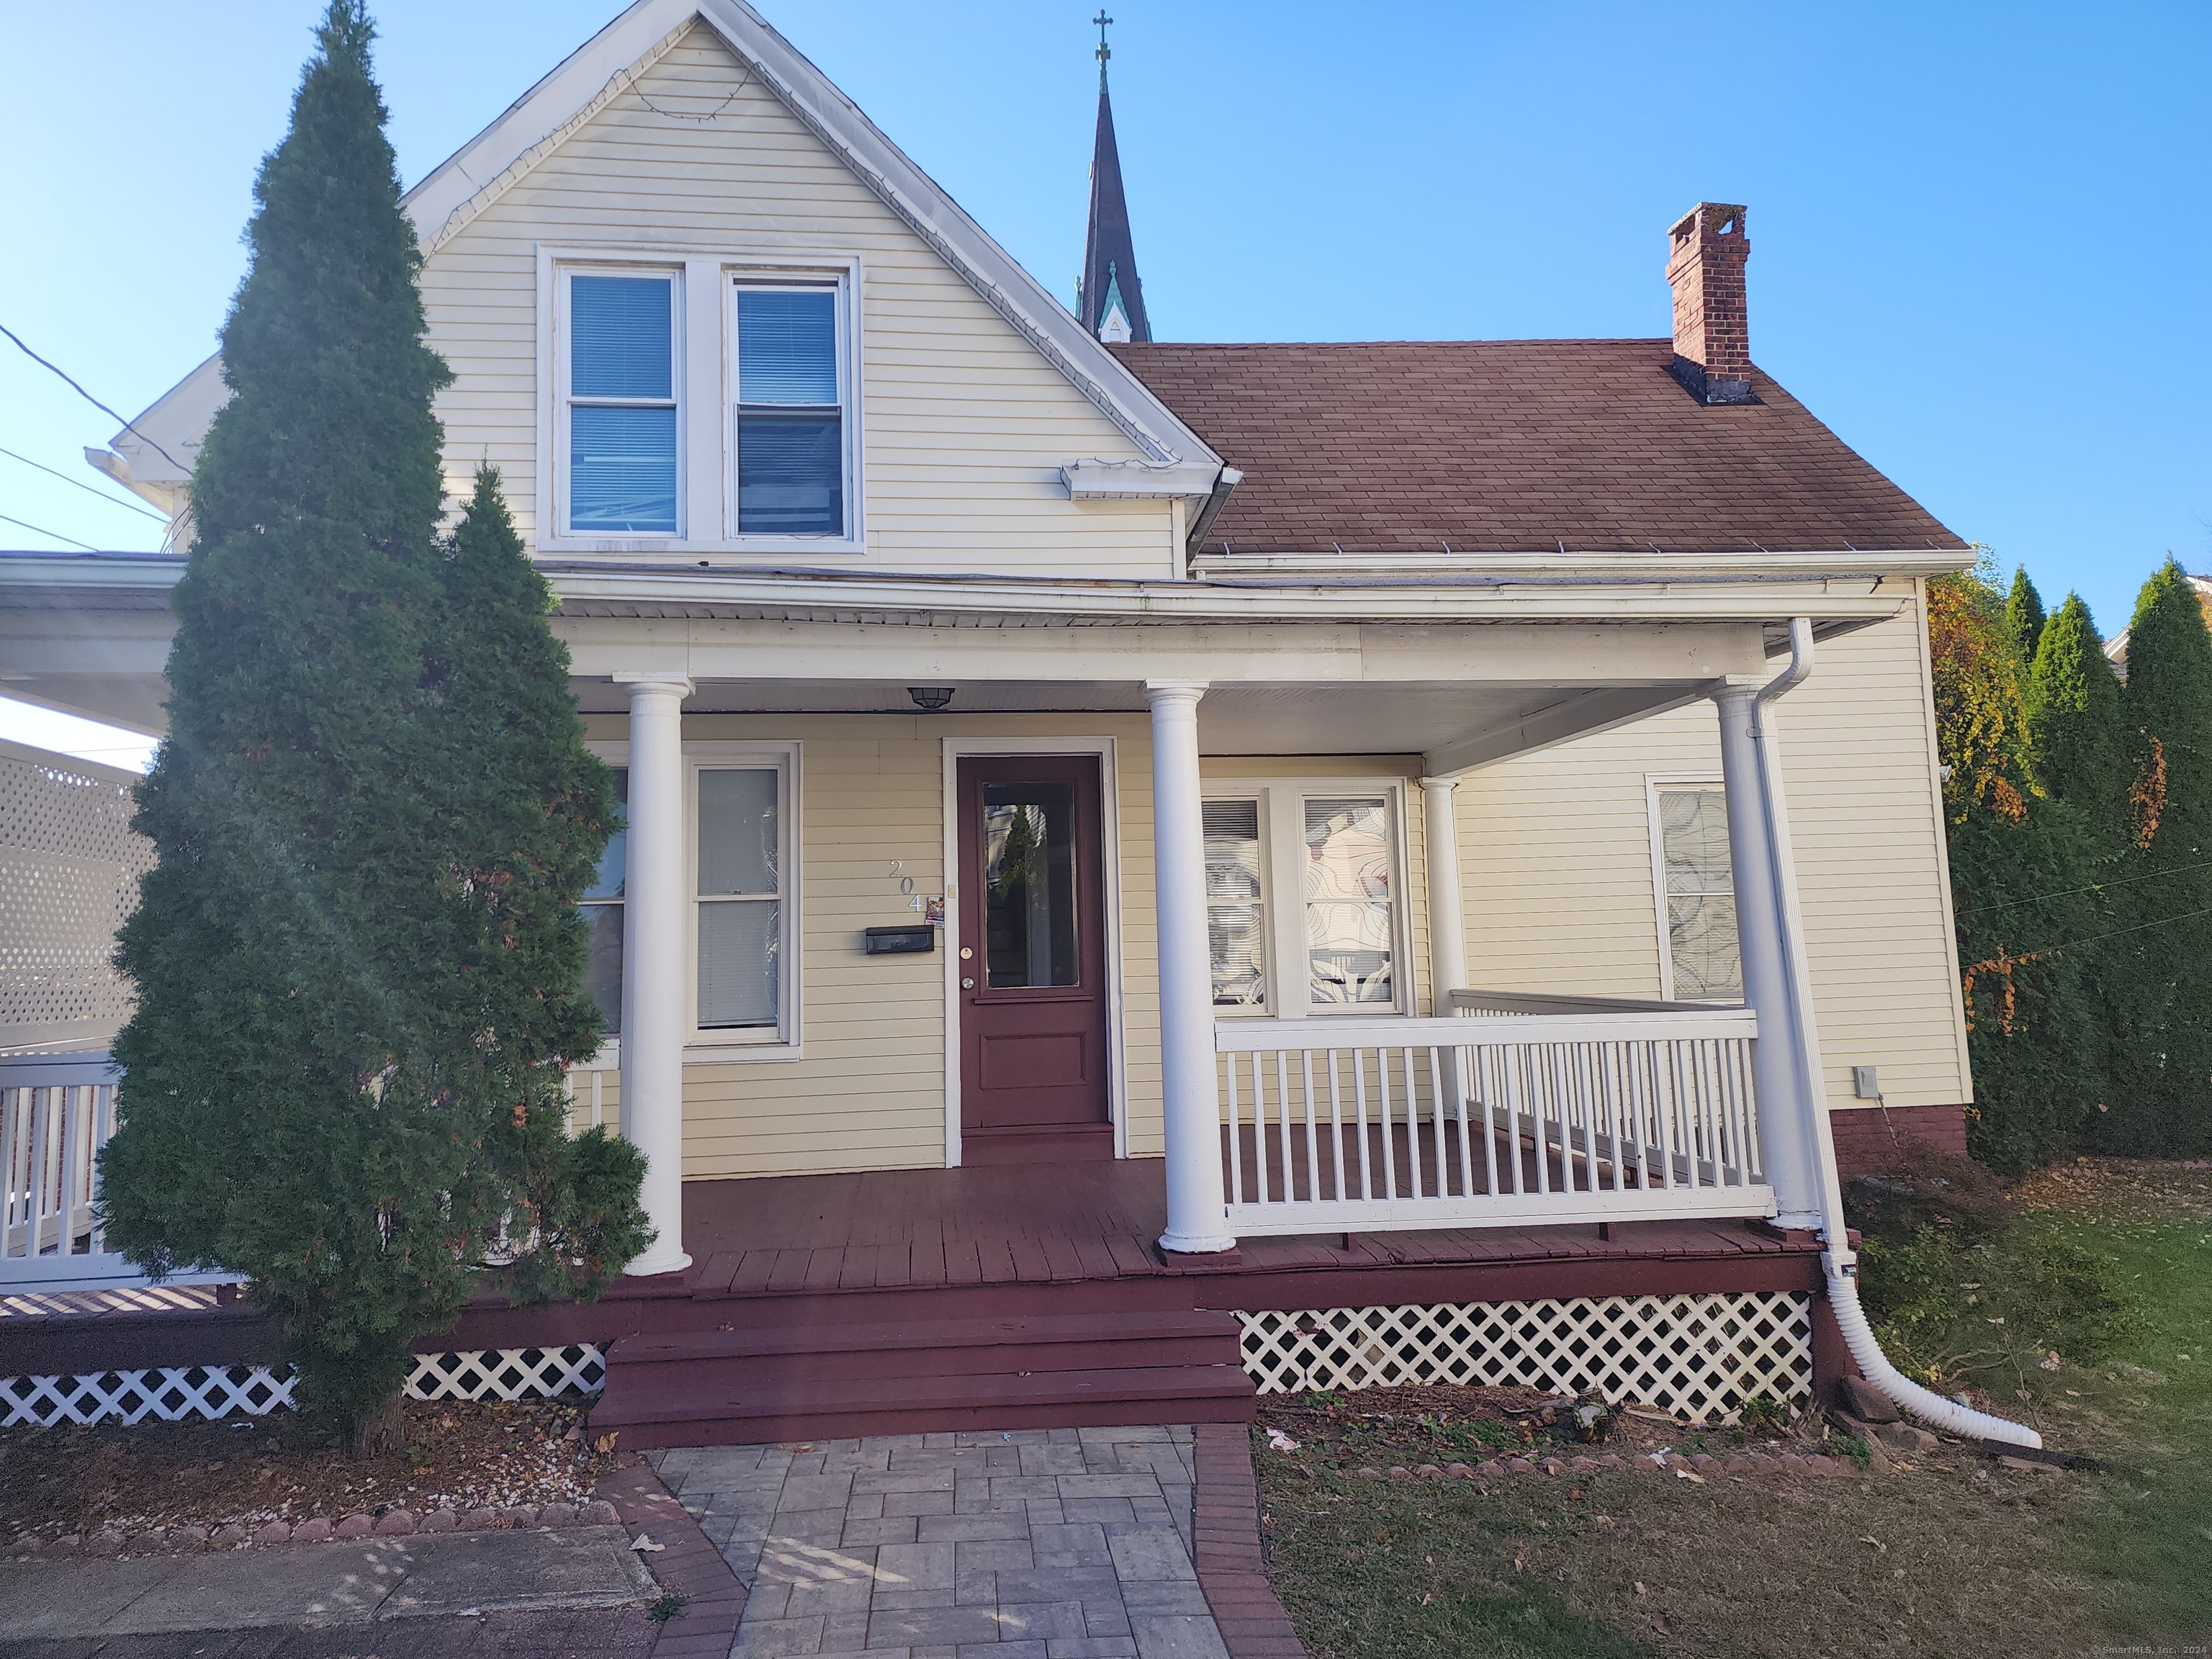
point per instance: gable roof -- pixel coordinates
(1517, 446)
(535, 124)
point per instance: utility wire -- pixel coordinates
(128, 507)
(56, 534)
(89, 398)
(2099, 938)
(2097, 887)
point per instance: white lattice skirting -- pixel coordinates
(1697, 1357)
(172, 1393)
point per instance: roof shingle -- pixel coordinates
(1515, 445)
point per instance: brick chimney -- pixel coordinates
(1705, 254)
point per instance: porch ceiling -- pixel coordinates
(1454, 725)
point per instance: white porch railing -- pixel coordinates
(57, 1111)
(1500, 1116)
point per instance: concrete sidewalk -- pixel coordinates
(437, 1578)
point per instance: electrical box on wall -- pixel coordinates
(917, 940)
(1865, 1083)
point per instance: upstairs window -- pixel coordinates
(790, 416)
(1699, 959)
(621, 407)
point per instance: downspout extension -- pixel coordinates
(1839, 1262)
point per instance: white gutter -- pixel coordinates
(1838, 1262)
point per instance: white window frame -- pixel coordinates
(713, 1044)
(1282, 821)
(716, 1046)
(1656, 784)
(564, 400)
(706, 443)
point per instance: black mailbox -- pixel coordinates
(918, 941)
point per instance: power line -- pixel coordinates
(2095, 887)
(2099, 938)
(56, 534)
(128, 507)
(89, 398)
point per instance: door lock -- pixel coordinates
(966, 952)
(967, 984)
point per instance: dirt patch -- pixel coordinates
(458, 1454)
(1931, 1554)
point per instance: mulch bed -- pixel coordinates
(252, 1473)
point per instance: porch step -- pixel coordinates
(827, 1381)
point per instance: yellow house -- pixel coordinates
(1248, 818)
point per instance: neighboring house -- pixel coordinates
(1307, 805)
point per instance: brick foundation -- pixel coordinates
(1867, 1137)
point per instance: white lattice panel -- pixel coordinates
(507, 1373)
(69, 865)
(1697, 1357)
(171, 1393)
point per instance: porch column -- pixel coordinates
(654, 977)
(1198, 1214)
(1765, 952)
(1447, 920)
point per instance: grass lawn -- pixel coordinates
(1946, 1554)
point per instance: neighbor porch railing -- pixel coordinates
(57, 1111)
(1506, 1113)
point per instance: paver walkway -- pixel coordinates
(1029, 1544)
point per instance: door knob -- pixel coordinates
(967, 984)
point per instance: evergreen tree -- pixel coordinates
(2023, 614)
(337, 1080)
(2163, 1027)
(2028, 1026)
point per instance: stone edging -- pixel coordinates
(686, 1564)
(1225, 1531)
(316, 1528)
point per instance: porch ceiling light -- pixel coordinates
(930, 697)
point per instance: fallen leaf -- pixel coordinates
(644, 1545)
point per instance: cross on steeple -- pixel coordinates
(1109, 299)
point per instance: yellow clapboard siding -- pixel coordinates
(965, 426)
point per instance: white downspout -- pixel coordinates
(1839, 1262)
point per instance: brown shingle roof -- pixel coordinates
(1515, 446)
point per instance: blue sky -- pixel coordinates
(1980, 233)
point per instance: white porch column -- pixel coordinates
(1198, 1218)
(1447, 920)
(1784, 1135)
(654, 977)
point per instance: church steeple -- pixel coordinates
(1111, 300)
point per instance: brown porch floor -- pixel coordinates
(1054, 1223)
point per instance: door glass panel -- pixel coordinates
(1348, 926)
(1235, 929)
(1028, 884)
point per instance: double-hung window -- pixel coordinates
(1302, 882)
(743, 881)
(744, 896)
(1699, 959)
(790, 426)
(620, 408)
(602, 906)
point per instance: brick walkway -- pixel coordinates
(1031, 1544)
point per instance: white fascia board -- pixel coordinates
(491, 162)
(1095, 480)
(1359, 569)
(88, 573)
(1079, 601)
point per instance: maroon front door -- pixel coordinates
(1032, 967)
